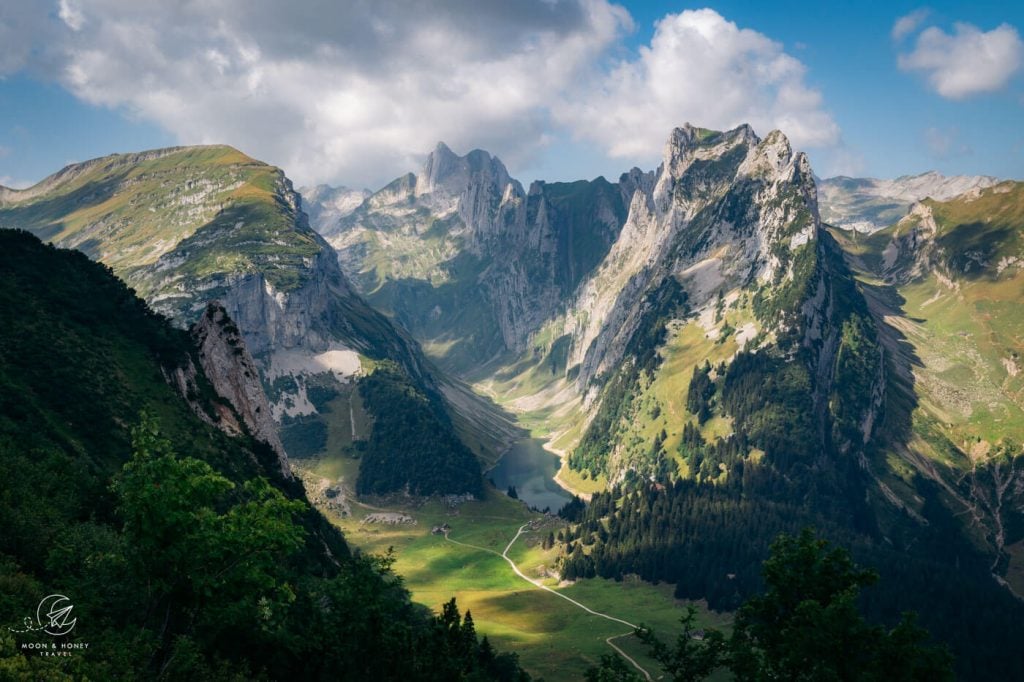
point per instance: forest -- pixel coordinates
(413, 446)
(804, 625)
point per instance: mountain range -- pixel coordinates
(183, 226)
(724, 341)
(703, 321)
(869, 204)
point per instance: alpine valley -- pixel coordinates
(683, 363)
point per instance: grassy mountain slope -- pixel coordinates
(129, 210)
(204, 563)
(189, 224)
(945, 284)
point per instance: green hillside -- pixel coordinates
(945, 283)
(222, 208)
(186, 225)
(184, 551)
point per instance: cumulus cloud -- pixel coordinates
(354, 92)
(340, 91)
(704, 69)
(968, 61)
(909, 23)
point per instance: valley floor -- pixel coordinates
(491, 559)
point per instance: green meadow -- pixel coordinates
(555, 639)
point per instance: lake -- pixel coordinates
(531, 469)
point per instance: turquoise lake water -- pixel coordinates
(531, 469)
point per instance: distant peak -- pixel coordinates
(445, 170)
(442, 152)
(442, 149)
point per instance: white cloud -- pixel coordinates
(353, 92)
(839, 160)
(342, 92)
(704, 69)
(968, 61)
(909, 23)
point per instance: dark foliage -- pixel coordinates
(805, 626)
(701, 389)
(412, 447)
(709, 540)
(191, 561)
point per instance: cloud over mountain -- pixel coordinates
(354, 91)
(704, 69)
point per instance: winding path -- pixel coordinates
(539, 585)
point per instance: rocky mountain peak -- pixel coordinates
(476, 187)
(698, 163)
(689, 144)
(326, 205)
(772, 156)
(446, 175)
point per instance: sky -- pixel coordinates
(355, 92)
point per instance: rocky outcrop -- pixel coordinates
(326, 205)
(911, 252)
(471, 242)
(230, 368)
(725, 209)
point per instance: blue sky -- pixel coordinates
(560, 90)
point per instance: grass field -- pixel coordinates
(555, 639)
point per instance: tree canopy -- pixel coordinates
(805, 625)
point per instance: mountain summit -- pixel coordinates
(694, 338)
(188, 225)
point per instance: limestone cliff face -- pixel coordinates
(467, 241)
(187, 225)
(724, 210)
(226, 362)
